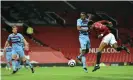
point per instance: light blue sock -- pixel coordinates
(8, 65)
(18, 64)
(14, 65)
(84, 61)
(29, 64)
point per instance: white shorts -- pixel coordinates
(109, 39)
(27, 56)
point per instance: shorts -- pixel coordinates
(84, 42)
(109, 39)
(18, 52)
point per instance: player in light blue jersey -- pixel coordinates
(17, 48)
(8, 54)
(82, 27)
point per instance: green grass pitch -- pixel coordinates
(68, 73)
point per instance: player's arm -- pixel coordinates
(103, 33)
(105, 22)
(91, 26)
(80, 29)
(79, 26)
(7, 43)
(24, 40)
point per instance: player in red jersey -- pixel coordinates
(27, 51)
(107, 39)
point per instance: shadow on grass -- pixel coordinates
(102, 78)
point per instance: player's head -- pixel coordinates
(82, 15)
(14, 29)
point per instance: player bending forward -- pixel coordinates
(108, 39)
(17, 49)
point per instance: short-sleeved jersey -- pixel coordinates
(100, 28)
(84, 25)
(16, 40)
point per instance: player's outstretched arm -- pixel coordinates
(105, 21)
(80, 29)
(6, 44)
(25, 42)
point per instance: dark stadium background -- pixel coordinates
(55, 38)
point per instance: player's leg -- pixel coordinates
(26, 61)
(8, 67)
(82, 52)
(114, 44)
(28, 58)
(84, 56)
(119, 48)
(18, 62)
(82, 47)
(103, 44)
(100, 49)
(14, 55)
(8, 59)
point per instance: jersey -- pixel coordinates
(84, 25)
(16, 40)
(17, 46)
(101, 29)
(83, 35)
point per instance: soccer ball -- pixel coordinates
(71, 63)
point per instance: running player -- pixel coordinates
(82, 27)
(108, 39)
(17, 49)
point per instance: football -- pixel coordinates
(72, 63)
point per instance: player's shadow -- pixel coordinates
(119, 75)
(98, 78)
(5, 75)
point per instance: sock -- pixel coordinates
(98, 58)
(8, 65)
(87, 50)
(81, 54)
(97, 64)
(18, 64)
(119, 48)
(29, 64)
(84, 61)
(14, 64)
